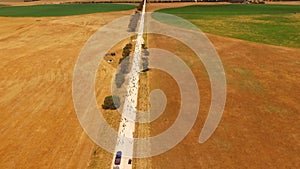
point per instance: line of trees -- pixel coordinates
(140, 6)
(113, 102)
(124, 65)
(133, 22)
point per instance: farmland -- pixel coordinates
(39, 127)
(270, 24)
(61, 9)
(259, 49)
(259, 122)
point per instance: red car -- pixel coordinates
(118, 158)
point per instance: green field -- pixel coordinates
(61, 9)
(270, 24)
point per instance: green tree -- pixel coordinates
(111, 102)
(119, 79)
(145, 64)
(125, 65)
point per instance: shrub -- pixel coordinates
(146, 52)
(111, 102)
(127, 50)
(129, 45)
(125, 53)
(145, 64)
(144, 46)
(140, 6)
(119, 79)
(125, 65)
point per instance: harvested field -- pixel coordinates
(259, 125)
(39, 127)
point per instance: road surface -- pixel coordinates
(127, 125)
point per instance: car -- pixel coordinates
(118, 158)
(117, 161)
(119, 154)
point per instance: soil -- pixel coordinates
(260, 122)
(39, 127)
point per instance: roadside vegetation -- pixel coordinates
(111, 102)
(140, 6)
(145, 64)
(61, 9)
(119, 79)
(124, 65)
(270, 24)
(145, 61)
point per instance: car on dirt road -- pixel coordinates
(118, 158)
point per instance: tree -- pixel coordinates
(119, 79)
(145, 64)
(111, 102)
(127, 49)
(144, 46)
(146, 52)
(129, 45)
(125, 65)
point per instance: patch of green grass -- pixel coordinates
(61, 9)
(198, 11)
(252, 86)
(270, 24)
(277, 110)
(242, 72)
(245, 80)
